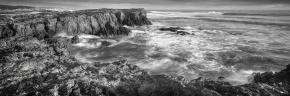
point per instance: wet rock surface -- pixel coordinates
(176, 30)
(75, 39)
(102, 22)
(172, 29)
(35, 63)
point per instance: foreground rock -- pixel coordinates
(32, 67)
(44, 68)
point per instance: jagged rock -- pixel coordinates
(75, 39)
(207, 92)
(133, 17)
(172, 29)
(221, 78)
(7, 31)
(9, 7)
(182, 33)
(200, 29)
(104, 22)
(177, 30)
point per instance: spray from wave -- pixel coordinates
(160, 14)
(254, 14)
(209, 53)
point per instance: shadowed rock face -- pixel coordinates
(33, 67)
(134, 17)
(176, 30)
(104, 22)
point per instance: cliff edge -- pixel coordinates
(102, 22)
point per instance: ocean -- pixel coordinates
(232, 44)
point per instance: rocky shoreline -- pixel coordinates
(103, 22)
(36, 63)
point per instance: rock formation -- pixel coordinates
(9, 7)
(104, 22)
(176, 30)
(172, 29)
(75, 39)
(34, 63)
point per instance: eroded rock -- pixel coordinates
(177, 30)
(103, 22)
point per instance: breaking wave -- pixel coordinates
(160, 14)
(246, 22)
(209, 53)
(249, 14)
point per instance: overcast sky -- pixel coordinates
(159, 4)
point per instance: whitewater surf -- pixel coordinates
(223, 45)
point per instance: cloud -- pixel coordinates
(176, 3)
(163, 1)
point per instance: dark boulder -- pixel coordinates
(221, 78)
(177, 30)
(172, 29)
(182, 33)
(200, 29)
(75, 39)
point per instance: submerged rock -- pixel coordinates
(182, 33)
(172, 29)
(177, 30)
(75, 39)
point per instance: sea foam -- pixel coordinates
(161, 14)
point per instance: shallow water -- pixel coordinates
(233, 46)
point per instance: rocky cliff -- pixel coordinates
(104, 22)
(9, 7)
(34, 63)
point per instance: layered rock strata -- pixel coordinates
(104, 22)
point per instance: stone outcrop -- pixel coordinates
(75, 39)
(176, 30)
(172, 29)
(134, 17)
(104, 22)
(9, 7)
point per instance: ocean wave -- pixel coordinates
(201, 55)
(82, 58)
(161, 14)
(250, 14)
(85, 36)
(241, 77)
(246, 22)
(63, 34)
(209, 12)
(88, 45)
